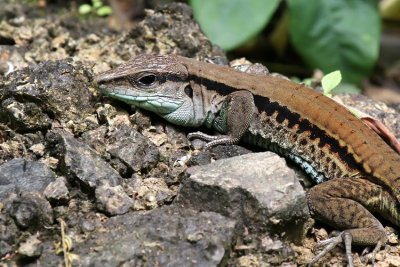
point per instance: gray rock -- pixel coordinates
(5, 248)
(80, 163)
(57, 192)
(9, 234)
(14, 145)
(31, 248)
(176, 136)
(168, 236)
(87, 226)
(222, 152)
(113, 200)
(57, 89)
(258, 189)
(167, 29)
(23, 116)
(29, 210)
(218, 152)
(24, 175)
(201, 158)
(8, 229)
(96, 138)
(132, 148)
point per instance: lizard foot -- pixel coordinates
(331, 243)
(213, 140)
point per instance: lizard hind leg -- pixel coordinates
(345, 204)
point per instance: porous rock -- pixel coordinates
(57, 89)
(30, 210)
(132, 148)
(57, 192)
(31, 248)
(258, 189)
(168, 236)
(24, 175)
(113, 200)
(80, 163)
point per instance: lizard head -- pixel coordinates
(159, 84)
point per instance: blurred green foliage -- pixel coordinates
(97, 7)
(230, 23)
(339, 34)
(329, 35)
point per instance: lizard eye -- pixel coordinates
(147, 80)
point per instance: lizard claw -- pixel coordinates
(370, 258)
(331, 243)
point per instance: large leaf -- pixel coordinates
(337, 34)
(230, 23)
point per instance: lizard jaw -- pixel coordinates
(154, 103)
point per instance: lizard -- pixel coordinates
(355, 171)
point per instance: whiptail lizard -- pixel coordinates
(327, 141)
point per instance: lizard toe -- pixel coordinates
(331, 243)
(370, 257)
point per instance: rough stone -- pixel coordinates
(80, 163)
(31, 248)
(169, 28)
(258, 188)
(50, 89)
(168, 236)
(132, 148)
(29, 210)
(23, 117)
(14, 145)
(176, 136)
(201, 158)
(24, 175)
(57, 192)
(217, 152)
(8, 229)
(96, 139)
(5, 248)
(151, 193)
(8, 234)
(113, 200)
(222, 152)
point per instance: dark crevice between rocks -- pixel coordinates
(6, 40)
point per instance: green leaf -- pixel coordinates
(230, 23)
(339, 34)
(84, 9)
(97, 3)
(104, 11)
(330, 81)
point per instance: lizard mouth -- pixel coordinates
(155, 103)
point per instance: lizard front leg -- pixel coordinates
(344, 204)
(233, 120)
